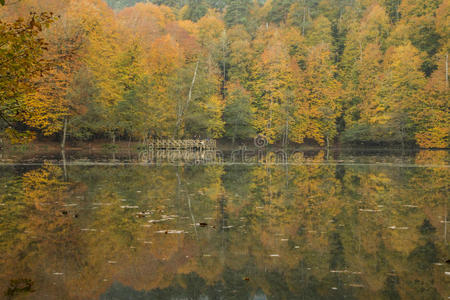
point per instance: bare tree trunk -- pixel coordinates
(192, 85)
(183, 109)
(396, 11)
(269, 125)
(233, 138)
(63, 142)
(224, 65)
(402, 135)
(286, 133)
(446, 70)
(304, 18)
(360, 51)
(286, 126)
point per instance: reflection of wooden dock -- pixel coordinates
(190, 145)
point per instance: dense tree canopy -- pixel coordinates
(373, 72)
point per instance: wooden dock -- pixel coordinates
(190, 145)
(180, 151)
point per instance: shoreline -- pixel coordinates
(118, 146)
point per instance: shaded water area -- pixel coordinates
(350, 224)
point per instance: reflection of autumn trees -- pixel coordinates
(45, 240)
(367, 230)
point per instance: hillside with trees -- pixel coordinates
(296, 71)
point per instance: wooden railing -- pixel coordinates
(181, 145)
(185, 151)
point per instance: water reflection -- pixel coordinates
(307, 231)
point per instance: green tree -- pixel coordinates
(238, 113)
(240, 54)
(237, 12)
(402, 86)
(279, 10)
(196, 10)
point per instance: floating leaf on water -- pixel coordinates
(170, 231)
(161, 220)
(144, 213)
(398, 228)
(339, 271)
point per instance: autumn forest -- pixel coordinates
(318, 72)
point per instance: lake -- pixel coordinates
(345, 224)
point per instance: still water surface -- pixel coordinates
(352, 227)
